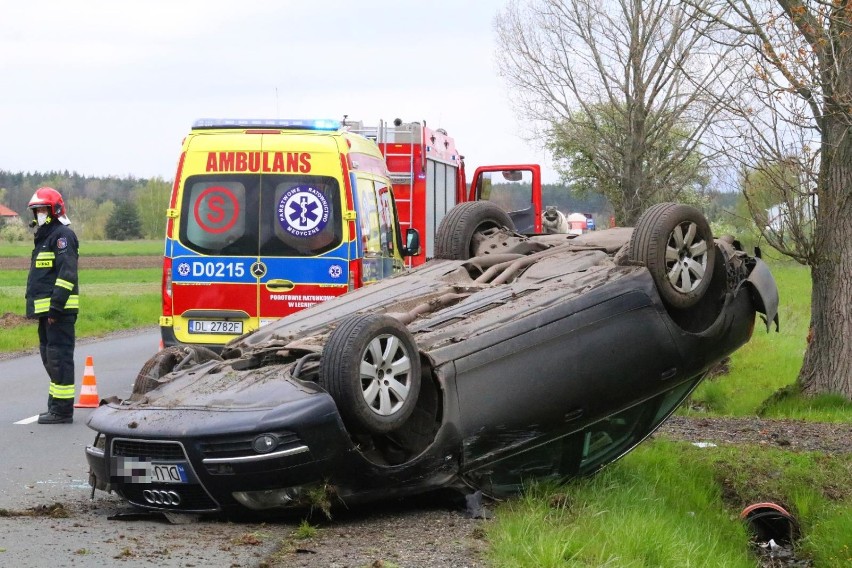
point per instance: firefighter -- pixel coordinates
(53, 299)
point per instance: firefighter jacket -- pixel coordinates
(52, 282)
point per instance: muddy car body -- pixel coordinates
(508, 358)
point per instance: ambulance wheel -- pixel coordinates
(165, 361)
(456, 238)
(675, 243)
(371, 368)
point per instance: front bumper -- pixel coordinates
(215, 455)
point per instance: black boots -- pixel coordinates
(51, 418)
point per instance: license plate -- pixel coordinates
(215, 326)
(168, 473)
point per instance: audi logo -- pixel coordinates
(160, 497)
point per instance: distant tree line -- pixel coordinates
(99, 207)
(133, 208)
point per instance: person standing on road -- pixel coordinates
(53, 298)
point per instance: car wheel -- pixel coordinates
(454, 239)
(371, 368)
(676, 244)
(165, 361)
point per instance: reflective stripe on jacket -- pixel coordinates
(52, 281)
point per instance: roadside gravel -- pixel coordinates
(791, 435)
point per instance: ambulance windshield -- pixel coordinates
(270, 215)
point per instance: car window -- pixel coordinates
(581, 452)
(606, 440)
(368, 215)
(511, 196)
(386, 216)
(300, 215)
(218, 215)
(514, 197)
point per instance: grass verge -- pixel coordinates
(673, 504)
(23, 249)
(110, 300)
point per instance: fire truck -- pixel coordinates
(429, 178)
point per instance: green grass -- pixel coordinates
(110, 300)
(672, 504)
(140, 247)
(305, 530)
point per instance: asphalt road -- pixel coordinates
(45, 465)
(48, 461)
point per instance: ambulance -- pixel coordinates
(268, 217)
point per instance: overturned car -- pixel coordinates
(506, 358)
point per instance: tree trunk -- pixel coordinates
(828, 359)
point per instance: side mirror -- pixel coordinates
(412, 243)
(513, 175)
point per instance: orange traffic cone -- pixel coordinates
(89, 389)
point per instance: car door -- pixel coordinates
(213, 291)
(567, 366)
(302, 259)
(377, 219)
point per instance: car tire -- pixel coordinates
(454, 239)
(165, 361)
(675, 243)
(371, 368)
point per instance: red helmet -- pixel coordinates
(49, 197)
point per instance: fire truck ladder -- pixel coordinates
(385, 139)
(384, 136)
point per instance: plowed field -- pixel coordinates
(92, 262)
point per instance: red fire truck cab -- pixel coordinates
(428, 176)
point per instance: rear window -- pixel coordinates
(247, 215)
(301, 215)
(219, 214)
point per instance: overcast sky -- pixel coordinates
(111, 87)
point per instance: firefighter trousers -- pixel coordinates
(56, 345)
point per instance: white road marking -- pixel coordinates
(29, 420)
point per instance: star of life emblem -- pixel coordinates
(303, 211)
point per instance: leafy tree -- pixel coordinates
(152, 198)
(14, 230)
(796, 60)
(83, 213)
(124, 223)
(103, 213)
(623, 89)
(590, 153)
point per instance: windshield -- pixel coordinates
(269, 215)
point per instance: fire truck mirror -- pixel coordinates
(513, 175)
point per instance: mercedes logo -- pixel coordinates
(258, 269)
